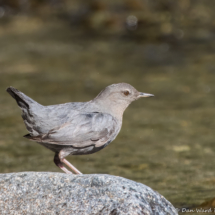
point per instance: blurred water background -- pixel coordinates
(58, 51)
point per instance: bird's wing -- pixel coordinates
(46, 118)
(83, 130)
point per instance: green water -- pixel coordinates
(167, 142)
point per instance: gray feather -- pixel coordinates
(78, 127)
(84, 130)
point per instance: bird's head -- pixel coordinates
(117, 97)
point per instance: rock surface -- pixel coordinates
(58, 193)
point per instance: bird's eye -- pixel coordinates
(126, 93)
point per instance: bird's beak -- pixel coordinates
(144, 95)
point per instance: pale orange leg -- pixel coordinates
(71, 166)
(60, 164)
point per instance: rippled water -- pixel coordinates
(166, 142)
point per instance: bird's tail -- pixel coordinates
(22, 100)
(27, 105)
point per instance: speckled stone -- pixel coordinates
(45, 193)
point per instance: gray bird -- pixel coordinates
(77, 128)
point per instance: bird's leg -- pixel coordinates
(62, 156)
(60, 164)
(71, 166)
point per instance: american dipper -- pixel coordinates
(76, 128)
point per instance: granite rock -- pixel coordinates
(57, 193)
